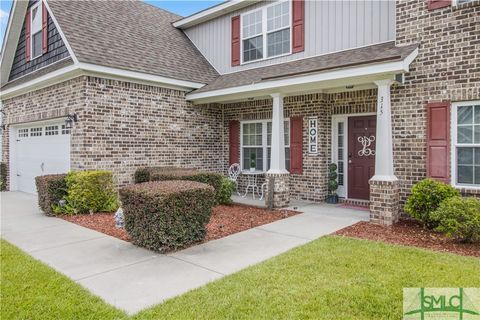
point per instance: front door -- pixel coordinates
(361, 155)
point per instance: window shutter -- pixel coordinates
(437, 4)
(27, 36)
(438, 141)
(44, 28)
(296, 145)
(236, 41)
(298, 26)
(234, 140)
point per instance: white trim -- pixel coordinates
(265, 32)
(454, 144)
(79, 69)
(379, 69)
(213, 12)
(139, 76)
(336, 118)
(59, 29)
(264, 145)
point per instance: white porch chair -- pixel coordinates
(233, 173)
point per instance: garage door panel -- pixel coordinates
(40, 154)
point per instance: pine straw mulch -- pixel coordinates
(225, 220)
(409, 233)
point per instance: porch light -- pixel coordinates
(70, 119)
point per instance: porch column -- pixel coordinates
(384, 185)
(277, 159)
(384, 141)
(277, 178)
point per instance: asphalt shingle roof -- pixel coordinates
(354, 57)
(130, 35)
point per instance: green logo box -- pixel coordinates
(441, 303)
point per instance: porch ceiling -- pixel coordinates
(357, 67)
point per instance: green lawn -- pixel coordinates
(332, 277)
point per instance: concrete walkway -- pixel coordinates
(132, 278)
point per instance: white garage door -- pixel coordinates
(39, 149)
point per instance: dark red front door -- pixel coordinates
(361, 155)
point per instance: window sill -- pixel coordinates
(266, 59)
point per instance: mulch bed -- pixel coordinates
(225, 220)
(409, 233)
(101, 222)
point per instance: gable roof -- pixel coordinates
(130, 35)
(343, 59)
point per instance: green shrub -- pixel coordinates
(425, 198)
(459, 218)
(90, 191)
(215, 180)
(51, 189)
(3, 176)
(166, 215)
(224, 195)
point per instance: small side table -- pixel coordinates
(252, 182)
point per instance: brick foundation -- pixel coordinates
(384, 202)
(281, 190)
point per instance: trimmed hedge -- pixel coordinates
(167, 215)
(426, 196)
(459, 218)
(51, 189)
(216, 180)
(90, 192)
(3, 176)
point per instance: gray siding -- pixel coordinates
(329, 26)
(56, 51)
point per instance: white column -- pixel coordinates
(384, 143)
(277, 159)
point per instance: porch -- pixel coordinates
(289, 127)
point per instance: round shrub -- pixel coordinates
(90, 191)
(167, 215)
(425, 198)
(215, 180)
(459, 218)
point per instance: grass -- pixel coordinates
(332, 277)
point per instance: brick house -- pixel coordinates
(389, 91)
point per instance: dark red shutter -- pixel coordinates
(438, 141)
(234, 140)
(236, 41)
(44, 28)
(27, 36)
(437, 4)
(298, 25)
(296, 145)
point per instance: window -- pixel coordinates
(459, 2)
(467, 144)
(256, 141)
(65, 130)
(341, 149)
(22, 133)
(36, 29)
(51, 130)
(36, 132)
(268, 27)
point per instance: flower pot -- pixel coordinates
(332, 199)
(252, 169)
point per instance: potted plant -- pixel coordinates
(253, 162)
(332, 184)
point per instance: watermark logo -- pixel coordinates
(441, 303)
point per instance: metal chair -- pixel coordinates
(233, 173)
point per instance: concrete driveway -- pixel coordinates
(132, 278)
